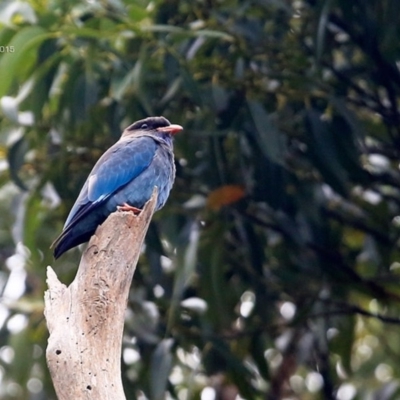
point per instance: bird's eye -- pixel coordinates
(144, 126)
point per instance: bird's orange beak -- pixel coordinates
(171, 129)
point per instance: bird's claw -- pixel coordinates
(127, 207)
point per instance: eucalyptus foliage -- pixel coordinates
(273, 270)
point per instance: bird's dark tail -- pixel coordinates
(79, 229)
(67, 240)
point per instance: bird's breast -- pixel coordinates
(160, 173)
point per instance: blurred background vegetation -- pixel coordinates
(273, 271)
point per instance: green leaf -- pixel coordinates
(257, 348)
(214, 34)
(280, 4)
(11, 63)
(181, 31)
(161, 363)
(324, 153)
(186, 259)
(88, 33)
(171, 91)
(16, 159)
(191, 86)
(122, 84)
(84, 96)
(6, 35)
(356, 128)
(212, 277)
(267, 134)
(228, 361)
(322, 26)
(22, 345)
(344, 342)
(348, 153)
(137, 12)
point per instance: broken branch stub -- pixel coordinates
(86, 319)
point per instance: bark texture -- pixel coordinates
(86, 319)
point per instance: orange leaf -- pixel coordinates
(224, 196)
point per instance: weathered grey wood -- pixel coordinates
(86, 319)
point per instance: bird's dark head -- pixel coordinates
(153, 124)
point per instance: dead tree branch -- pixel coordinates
(86, 319)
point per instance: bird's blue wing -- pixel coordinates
(119, 165)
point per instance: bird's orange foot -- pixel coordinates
(127, 207)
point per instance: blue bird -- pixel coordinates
(123, 179)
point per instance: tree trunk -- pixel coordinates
(86, 320)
